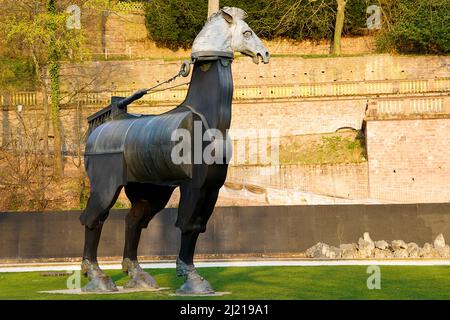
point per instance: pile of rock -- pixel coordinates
(366, 248)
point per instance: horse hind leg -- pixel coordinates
(130, 265)
(95, 214)
(146, 201)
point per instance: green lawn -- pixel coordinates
(342, 282)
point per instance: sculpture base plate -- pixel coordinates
(215, 294)
(121, 290)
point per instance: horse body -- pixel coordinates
(144, 144)
(136, 153)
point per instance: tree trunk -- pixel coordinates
(79, 162)
(44, 88)
(340, 16)
(104, 20)
(5, 119)
(41, 79)
(213, 6)
(54, 71)
(55, 117)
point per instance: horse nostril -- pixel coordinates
(267, 53)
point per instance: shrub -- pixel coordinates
(175, 24)
(417, 26)
(16, 74)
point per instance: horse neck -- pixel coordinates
(211, 91)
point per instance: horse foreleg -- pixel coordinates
(189, 238)
(195, 209)
(187, 248)
(91, 241)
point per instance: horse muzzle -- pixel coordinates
(263, 56)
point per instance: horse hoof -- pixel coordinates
(141, 280)
(99, 281)
(196, 285)
(100, 284)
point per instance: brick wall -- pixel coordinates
(131, 75)
(290, 118)
(299, 117)
(409, 160)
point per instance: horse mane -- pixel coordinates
(235, 12)
(214, 16)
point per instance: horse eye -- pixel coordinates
(247, 34)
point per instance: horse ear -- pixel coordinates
(231, 14)
(228, 17)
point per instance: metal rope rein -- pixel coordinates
(185, 69)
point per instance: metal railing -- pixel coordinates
(410, 105)
(25, 98)
(351, 88)
(255, 92)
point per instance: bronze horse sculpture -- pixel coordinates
(134, 152)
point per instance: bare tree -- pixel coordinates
(302, 15)
(37, 30)
(24, 172)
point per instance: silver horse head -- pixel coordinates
(226, 32)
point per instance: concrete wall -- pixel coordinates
(409, 160)
(254, 231)
(348, 181)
